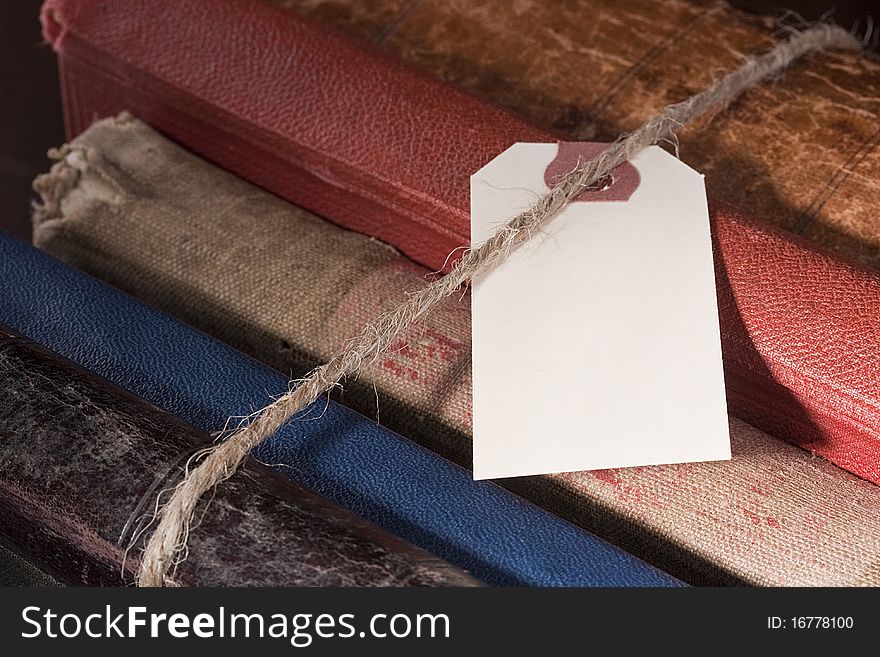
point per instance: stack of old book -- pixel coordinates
(276, 184)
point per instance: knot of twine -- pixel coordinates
(168, 541)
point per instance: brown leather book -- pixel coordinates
(81, 464)
(802, 152)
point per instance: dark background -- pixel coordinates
(30, 110)
(30, 103)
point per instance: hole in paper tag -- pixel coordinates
(570, 154)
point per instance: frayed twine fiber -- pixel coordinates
(167, 545)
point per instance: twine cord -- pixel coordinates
(167, 544)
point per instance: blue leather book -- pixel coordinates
(409, 491)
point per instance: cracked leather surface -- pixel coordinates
(82, 461)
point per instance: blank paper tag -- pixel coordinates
(596, 344)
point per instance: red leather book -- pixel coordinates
(375, 146)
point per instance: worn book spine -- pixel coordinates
(125, 204)
(306, 120)
(81, 463)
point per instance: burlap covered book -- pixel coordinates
(271, 279)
